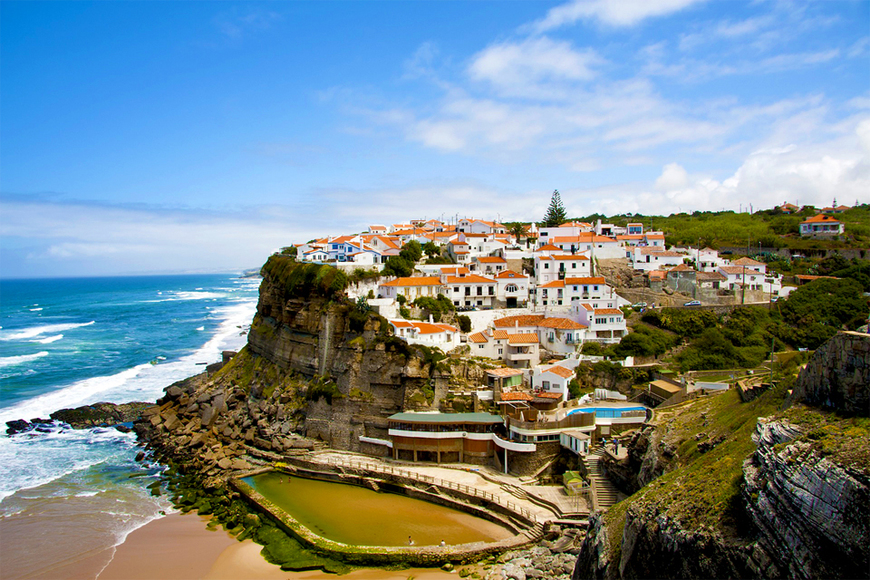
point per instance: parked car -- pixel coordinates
(693, 303)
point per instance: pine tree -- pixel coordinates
(555, 213)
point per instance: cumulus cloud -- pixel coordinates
(609, 12)
(533, 67)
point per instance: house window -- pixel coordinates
(479, 346)
(545, 385)
(500, 351)
(574, 264)
(456, 288)
(511, 288)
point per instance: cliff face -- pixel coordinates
(748, 489)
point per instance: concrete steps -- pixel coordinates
(606, 493)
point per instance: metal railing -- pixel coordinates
(428, 479)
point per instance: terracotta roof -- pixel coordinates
(504, 372)
(423, 327)
(523, 338)
(586, 280)
(570, 257)
(821, 218)
(499, 334)
(576, 225)
(561, 323)
(522, 319)
(491, 260)
(455, 270)
(478, 338)
(810, 278)
(553, 284)
(657, 275)
(608, 311)
(549, 248)
(587, 306)
(510, 274)
(414, 281)
(709, 276)
(561, 371)
(737, 270)
(585, 238)
(630, 237)
(747, 262)
(681, 268)
(469, 279)
(546, 395)
(516, 397)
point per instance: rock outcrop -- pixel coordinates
(813, 514)
(838, 376)
(798, 505)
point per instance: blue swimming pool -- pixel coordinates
(609, 412)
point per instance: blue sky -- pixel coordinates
(192, 136)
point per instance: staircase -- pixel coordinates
(605, 493)
(534, 533)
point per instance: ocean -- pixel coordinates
(66, 494)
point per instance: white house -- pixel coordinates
(649, 258)
(554, 377)
(709, 260)
(604, 324)
(822, 225)
(512, 289)
(470, 290)
(474, 226)
(444, 336)
(488, 265)
(412, 287)
(516, 349)
(561, 266)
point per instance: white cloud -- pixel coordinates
(609, 12)
(534, 67)
(673, 177)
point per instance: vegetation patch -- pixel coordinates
(844, 440)
(300, 279)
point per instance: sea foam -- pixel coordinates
(34, 331)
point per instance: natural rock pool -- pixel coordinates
(359, 516)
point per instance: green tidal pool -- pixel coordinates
(359, 516)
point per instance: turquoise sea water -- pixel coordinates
(66, 343)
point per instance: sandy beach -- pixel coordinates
(179, 547)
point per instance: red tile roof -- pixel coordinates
(510, 274)
(504, 372)
(586, 280)
(522, 319)
(523, 338)
(478, 338)
(821, 218)
(561, 371)
(608, 311)
(414, 281)
(561, 323)
(516, 397)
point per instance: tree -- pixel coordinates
(431, 249)
(397, 266)
(555, 215)
(412, 251)
(518, 231)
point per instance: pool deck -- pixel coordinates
(545, 503)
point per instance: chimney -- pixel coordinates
(430, 319)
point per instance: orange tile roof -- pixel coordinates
(546, 395)
(553, 284)
(427, 328)
(504, 372)
(561, 323)
(469, 279)
(576, 225)
(570, 257)
(478, 338)
(523, 338)
(607, 311)
(401, 323)
(549, 248)
(522, 319)
(414, 281)
(585, 237)
(516, 397)
(510, 274)
(561, 371)
(737, 270)
(499, 334)
(455, 270)
(491, 260)
(586, 280)
(701, 276)
(747, 262)
(657, 275)
(681, 268)
(587, 306)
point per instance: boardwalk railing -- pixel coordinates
(428, 479)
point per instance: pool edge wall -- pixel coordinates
(425, 556)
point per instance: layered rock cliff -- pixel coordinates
(748, 489)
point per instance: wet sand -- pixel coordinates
(179, 547)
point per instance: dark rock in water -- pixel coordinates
(123, 428)
(100, 414)
(17, 426)
(140, 456)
